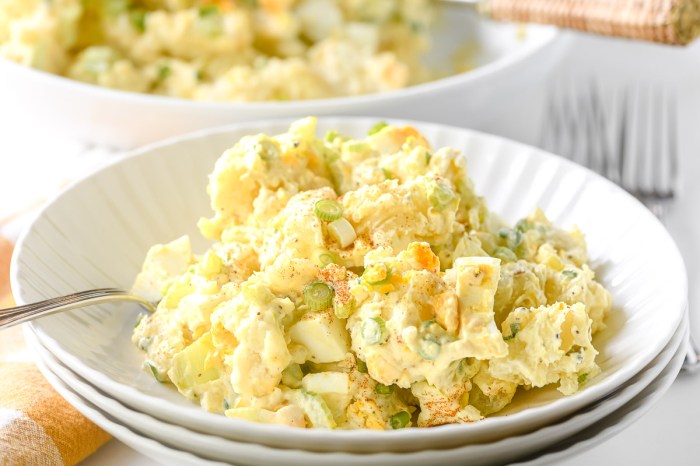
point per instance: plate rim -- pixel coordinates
(600, 409)
(665, 377)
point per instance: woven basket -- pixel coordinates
(674, 22)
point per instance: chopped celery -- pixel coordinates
(514, 329)
(208, 10)
(513, 237)
(138, 19)
(316, 409)
(377, 128)
(399, 420)
(383, 389)
(505, 254)
(292, 376)
(342, 231)
(440, 195)
(163, 72)
(361, 366)
(192, 367)
(343, 310)
(267, 150)
(160, 377)
(331, 136)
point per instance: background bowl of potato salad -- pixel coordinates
(348, 269)
(123, 73)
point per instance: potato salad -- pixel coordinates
(223, 50)
(363, 284)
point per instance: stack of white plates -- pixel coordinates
(96, 234)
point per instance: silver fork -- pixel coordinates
(636, 149)
(16, 315)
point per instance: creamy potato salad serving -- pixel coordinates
(363, 284)
(223, 50)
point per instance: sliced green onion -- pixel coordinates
(513, 237)
(163, 72)
(292, 375)
(428, 346)
(377, 274)
(377, 128)
(428, 326)
(399, 420)
(209, 21)
(343, 311)
(429, 349)
(524, 225)
(387, 173)
(505, 254)
(116, 7)
(227, 406)
(440, 195)
(356, 146)
(328, 210)
(384, 389)
(416, 27)
(331, 135)
(138, 19)
(342, 231)
(514, 329)
(156, 373)
(373, 330)
(569, 273)
(208, 10)
(324, 258)
(361, 366)
(267, 150)
(138, 322)
(582, 378)
(428, 156)
(318, 296)
(145, 343)
(330, 155)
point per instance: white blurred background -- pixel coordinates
(36, 161)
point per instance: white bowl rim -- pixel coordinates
(549, 35)
(619, 399)
(588, 394)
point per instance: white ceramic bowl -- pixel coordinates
(507, 66)
(97, 232)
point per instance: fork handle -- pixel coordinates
(675, 22)
(16, 315)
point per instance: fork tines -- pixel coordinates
(628, 136)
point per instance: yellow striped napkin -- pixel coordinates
(37, 426)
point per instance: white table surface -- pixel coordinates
(666, 435)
